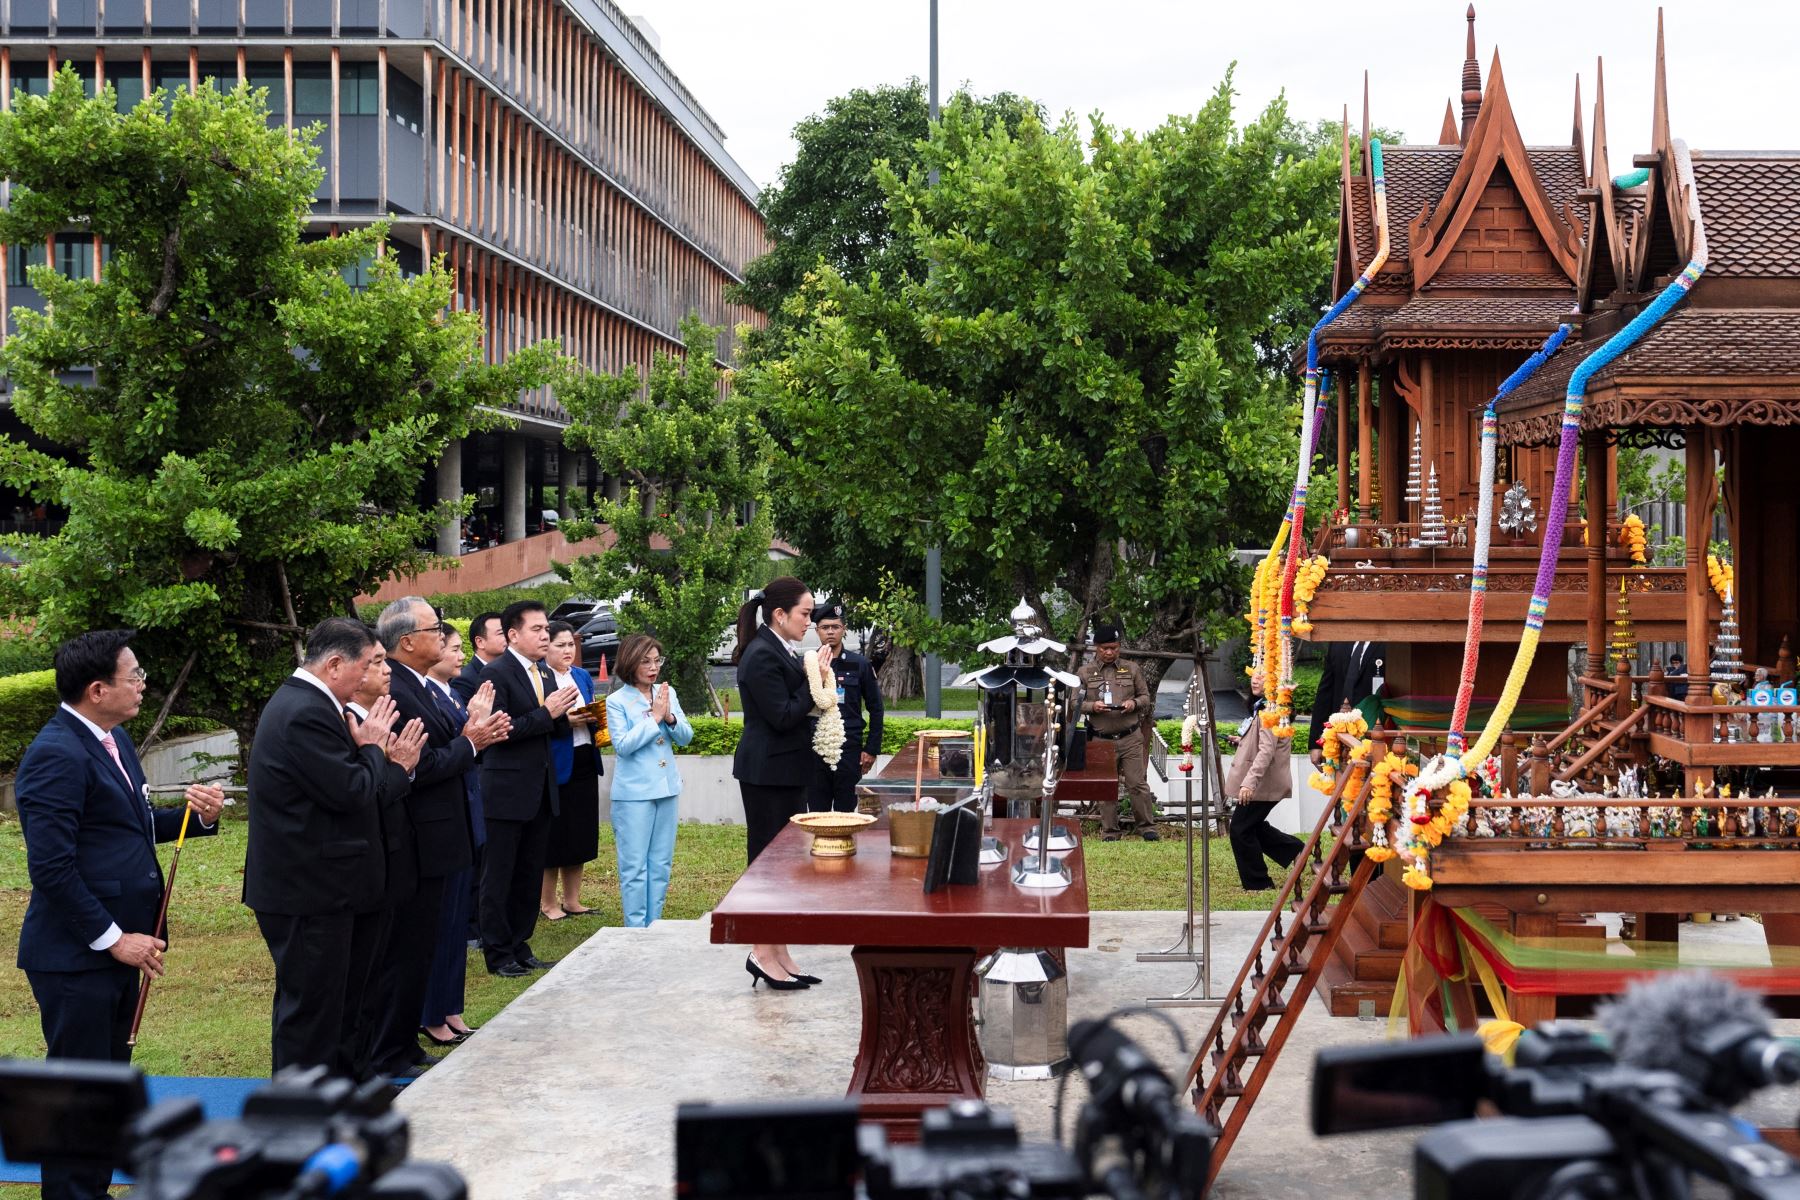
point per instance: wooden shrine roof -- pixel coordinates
(1750, 205)
(1701, 366)
(1417, 176)
(1730, 355)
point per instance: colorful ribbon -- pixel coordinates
(1484, 536)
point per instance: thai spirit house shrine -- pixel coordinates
(1493, 243)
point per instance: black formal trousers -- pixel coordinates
(833, 789)
(322, 966)
(1252, 837)
(450, 956)
(87, 1015)
(397, 986)
(512, 878)
(766, 811)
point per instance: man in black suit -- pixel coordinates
(487, 635)
(437, 809)
(90, 849)
(315, 869)
(1350, 671)
(518, 790)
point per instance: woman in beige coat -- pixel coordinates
(1261, 776)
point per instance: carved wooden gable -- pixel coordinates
(1495, 217)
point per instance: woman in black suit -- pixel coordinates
(774, 757)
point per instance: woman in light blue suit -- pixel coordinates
(646, 723)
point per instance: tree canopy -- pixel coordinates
(1090, 388)
(829, 206)
(238, 433)
(690, 530)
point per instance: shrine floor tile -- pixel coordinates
(571, 1091)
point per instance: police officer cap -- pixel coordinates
(1106, 631)
(828, 612)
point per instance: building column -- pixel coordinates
(1593, 451)
(512, 487)
(565, 481)
(450, 491)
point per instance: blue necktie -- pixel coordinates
(449, 707)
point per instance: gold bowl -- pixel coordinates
(834, 833)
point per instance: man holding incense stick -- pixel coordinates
(90, 929)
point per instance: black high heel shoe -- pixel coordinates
(757, 973)
(808, 980)
(435, 1040)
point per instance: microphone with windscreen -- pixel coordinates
(1704, 1028)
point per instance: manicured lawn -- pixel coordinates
(952, 700)
(209, 1015)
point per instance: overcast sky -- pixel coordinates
(760, 66)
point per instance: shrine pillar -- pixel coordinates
(1593, 450)
(1365, 442)
(1701, 487)
(1343, 441)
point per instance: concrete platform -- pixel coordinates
(571, 1091)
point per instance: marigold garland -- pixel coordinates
(1338, 726)
(1631, 536)
(1381, 801)
(1722, 576)
(1306, 586)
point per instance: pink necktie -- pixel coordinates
(112, 748)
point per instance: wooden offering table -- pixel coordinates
(914, 953)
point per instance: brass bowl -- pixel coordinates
(834, 833)
(909, 833)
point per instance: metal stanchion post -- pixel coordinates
(1199, 703)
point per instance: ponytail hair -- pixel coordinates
(783, 592)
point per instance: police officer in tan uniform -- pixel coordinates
(1115, 700)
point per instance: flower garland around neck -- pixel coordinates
(828, 734)
(1338, 726)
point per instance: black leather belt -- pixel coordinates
(1112, 737)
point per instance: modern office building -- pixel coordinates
(542, 146)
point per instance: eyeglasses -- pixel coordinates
(135, 675)
(441, 629)
(652, 662)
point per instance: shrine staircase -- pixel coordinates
(1306, 923)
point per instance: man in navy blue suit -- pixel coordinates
(90, 848)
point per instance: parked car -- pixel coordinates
(599, 637)
(575, 609)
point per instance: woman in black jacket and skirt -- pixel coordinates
(774, 756)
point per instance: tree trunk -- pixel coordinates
(901, 676)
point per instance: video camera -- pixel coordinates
(1134, 1140)
(1581, 1119)
(305, 1134)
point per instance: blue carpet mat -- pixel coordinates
(219, 1097)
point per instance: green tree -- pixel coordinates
(830, 208)
(828, 205)
(241, 432)
(690, 530)
(1080, 395)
